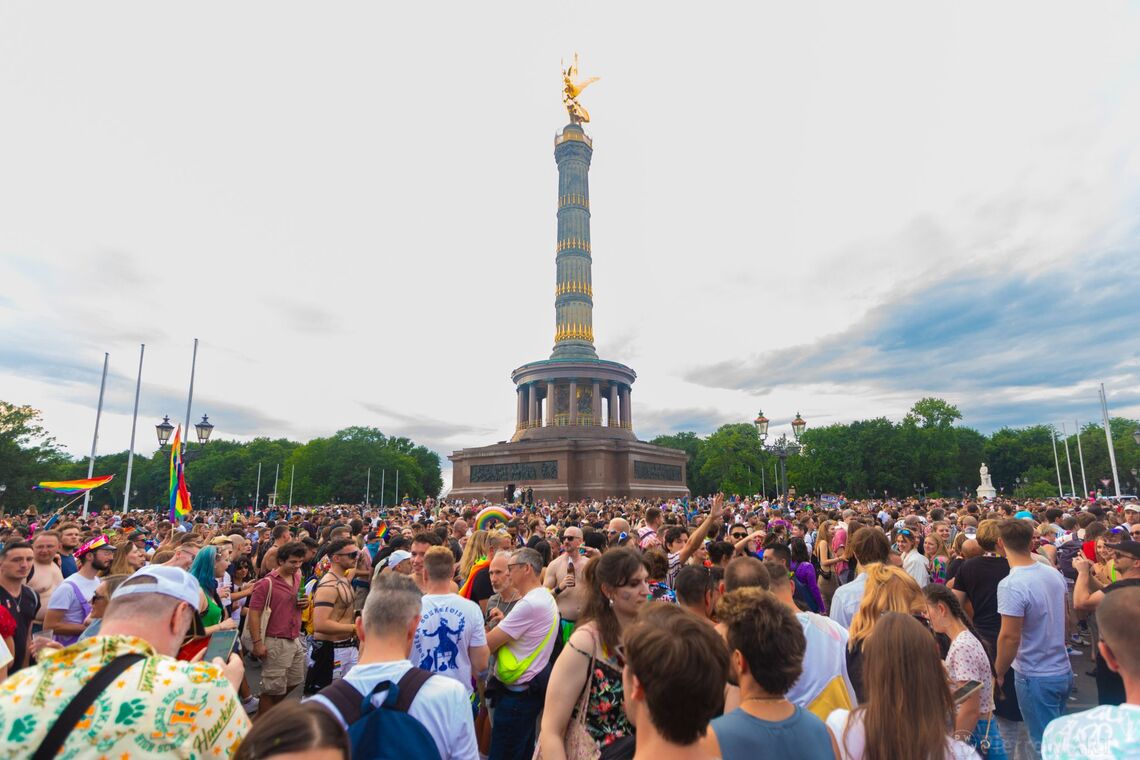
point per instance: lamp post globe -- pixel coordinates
(1136, 436)
(203, 429)
(798, 425)
(164, 430)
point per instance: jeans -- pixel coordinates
(1042, 698)
(993, 738)
(514, 730)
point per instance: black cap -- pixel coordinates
(1127, 547)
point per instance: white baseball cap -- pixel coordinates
(168, 581)
(397, 557)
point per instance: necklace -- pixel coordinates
(762, 699)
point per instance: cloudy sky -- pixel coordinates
(827, 208)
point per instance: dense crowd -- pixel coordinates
(610, 629)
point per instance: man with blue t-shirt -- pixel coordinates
(1031, 602)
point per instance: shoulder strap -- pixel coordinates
(78, 705)
(345, 698)
(409, 686)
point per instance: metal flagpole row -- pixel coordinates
(1069, 461)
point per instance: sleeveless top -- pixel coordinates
(605, 706)
(802, 735)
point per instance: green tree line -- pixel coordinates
(222, 473)
(875, 457)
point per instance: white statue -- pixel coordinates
(986, 490)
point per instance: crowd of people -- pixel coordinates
(610, 629)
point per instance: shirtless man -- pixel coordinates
(282, 534)
(567, 593)
(335, 648)
(46, 575)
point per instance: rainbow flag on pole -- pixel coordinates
(70, 487)
(179, 496)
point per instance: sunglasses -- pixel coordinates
(740, 535)
(905, 532)
(348, 554)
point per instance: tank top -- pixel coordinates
(802, 735)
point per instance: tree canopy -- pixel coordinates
(879, 457)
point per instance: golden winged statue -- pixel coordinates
(571, 88)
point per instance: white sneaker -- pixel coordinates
(250, 705)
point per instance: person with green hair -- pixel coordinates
(211, 561)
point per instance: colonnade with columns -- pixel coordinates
(562, 405)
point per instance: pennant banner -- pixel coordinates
(73, 486)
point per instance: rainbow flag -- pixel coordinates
(469, 584)
(73, 486)
(382, 530)
(179, 496)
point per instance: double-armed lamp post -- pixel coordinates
(164, 430)
(781, 447)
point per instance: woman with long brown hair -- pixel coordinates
(908, 707)
(821, 549)
(589, 670)
(128, 558)
(888, 589)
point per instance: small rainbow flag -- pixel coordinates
(382, 530)
(179, 496)
(73, 486)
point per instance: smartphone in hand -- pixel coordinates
(221, 645)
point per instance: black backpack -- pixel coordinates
(1065, 555)
(386, 732)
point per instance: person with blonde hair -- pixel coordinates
(937, 558)
(888, 589)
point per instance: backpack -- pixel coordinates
(386, 732)
(1065, 554)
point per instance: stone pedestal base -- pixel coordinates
(570, 469)
(987, 492)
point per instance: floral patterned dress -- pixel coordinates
(605, 715)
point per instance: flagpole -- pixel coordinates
(1056, 461)
(134, 423)
(291, 474)
(1081, 456)
(257, 493)
(382, 487)
(276, 474)
(190, 396)
(1108, 435)
(1069, 461)
(367, 487)
(95, 438)
(397, 502)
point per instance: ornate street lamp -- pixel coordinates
(1136, 436)
(204, 428)
(761, 423)
(164, 430)
(798, 426)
